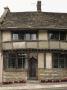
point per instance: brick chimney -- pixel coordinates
(38, 6)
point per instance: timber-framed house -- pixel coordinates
(33, 45)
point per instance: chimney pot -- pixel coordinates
(39, 6)
(6, 8)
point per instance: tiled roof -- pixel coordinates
(35, 20)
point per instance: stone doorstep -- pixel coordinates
(33, 81)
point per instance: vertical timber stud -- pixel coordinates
(1, 58)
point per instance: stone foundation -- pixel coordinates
(52, 74)
(14, 76)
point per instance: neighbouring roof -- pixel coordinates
(34, 20)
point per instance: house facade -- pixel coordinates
(33, 45)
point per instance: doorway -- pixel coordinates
(32, 68)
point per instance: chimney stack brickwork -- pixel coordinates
(39, 6)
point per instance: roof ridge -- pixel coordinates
(41, 12)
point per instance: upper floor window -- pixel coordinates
(24, 36)
(57, 35)
(54, 35)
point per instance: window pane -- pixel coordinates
(62, 36)
(61, 60)
(33, 36)
(61, 63)
(65, 61)
(12, 61)
(5, 58)
(51, 36)
(27, 36)
(20, 62)
(54, 35)
(55, 63)
(24, 62)
(15, 36)
(21, 36)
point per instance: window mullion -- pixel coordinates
(30, 36)
(58, 62)
(16, 61)
(7, 60)
(59, 35)
(22, 61)
(64, 62)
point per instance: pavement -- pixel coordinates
(35, 86)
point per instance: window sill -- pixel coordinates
(15, 70)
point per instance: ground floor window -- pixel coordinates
(59, 60)
(14, 60)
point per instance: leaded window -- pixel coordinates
(59, 60)
(56, 35)
(24, 36)
(14, 60)
(62, 36)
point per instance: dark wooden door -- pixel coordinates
(32, 68)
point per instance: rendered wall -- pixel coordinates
(40, 60)
(6, 36)
(48, 60)
(43, 35)
(52, 74)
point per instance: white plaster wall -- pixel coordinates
(6, 36)
(49, 60)
(43, 35)
(40, 60)
(31, 44)
(18, 45)
(1, 66)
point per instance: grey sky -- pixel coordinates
(30, 5)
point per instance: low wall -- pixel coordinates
(52, 74)
(14, 76)
(43, 74)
